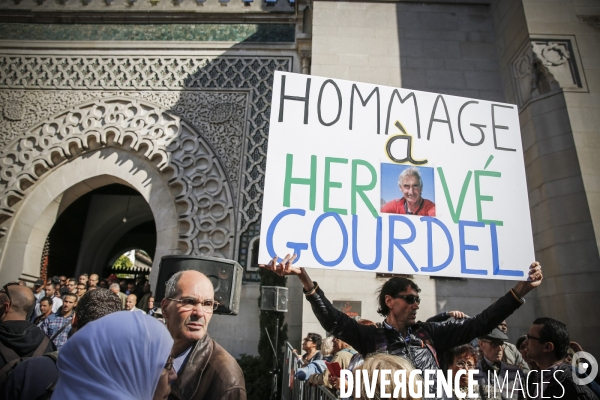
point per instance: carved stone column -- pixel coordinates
(305, 59)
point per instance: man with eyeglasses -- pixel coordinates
(311, 345)
(547, 344)
(400, 333)
(204, 369)
(72, 286)
(81, 289)
(18, 337)
(492, 369)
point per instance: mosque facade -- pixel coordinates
(170, 100)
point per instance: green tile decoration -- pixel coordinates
(250, 33)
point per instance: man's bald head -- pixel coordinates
(93, 282)
(130, 302)
(22, 299)
(172, 284)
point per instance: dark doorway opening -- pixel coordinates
(97, 226)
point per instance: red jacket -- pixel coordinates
(397, 206)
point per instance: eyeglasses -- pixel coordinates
(493, 343)
(409, 298)
(464, 364)
(189, 303)
(5, 290)
(169, 364)
(529, 337)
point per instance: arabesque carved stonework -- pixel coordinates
(225, 99)
(225, 136)
(196, 178)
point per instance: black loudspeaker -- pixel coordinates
(225, 275)
(274, 298)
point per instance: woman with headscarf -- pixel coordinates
(122, 356)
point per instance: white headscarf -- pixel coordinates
(119, 356)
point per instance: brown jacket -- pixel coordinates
(210, 373)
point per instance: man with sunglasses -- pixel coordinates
(204, 369)
(400, 333)
(18, 336)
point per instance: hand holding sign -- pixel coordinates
(285, 268)
(534, 280)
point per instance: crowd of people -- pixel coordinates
(88, 338)
(538, 366)
(489, 353)
(95, 339)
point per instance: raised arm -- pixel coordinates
(331, 319)
(446, 336)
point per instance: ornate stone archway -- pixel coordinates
(132, 136)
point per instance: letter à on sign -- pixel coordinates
(364, 177)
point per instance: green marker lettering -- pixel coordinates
(361, 189)
(461, 199)
(328, 185)
(289, 181)
(480, 198)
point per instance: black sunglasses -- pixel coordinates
(409, 298)
(5, 290)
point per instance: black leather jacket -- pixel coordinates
(367, 340)
(560, 386)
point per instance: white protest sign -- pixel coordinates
(372, 178)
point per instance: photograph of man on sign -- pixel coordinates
(410, 183)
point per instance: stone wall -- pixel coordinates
(550, 68)
(195, 121)
(444, 48)
(448, 49)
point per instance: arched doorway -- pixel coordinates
(106, 141)
(39, 211)
(98, 227)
